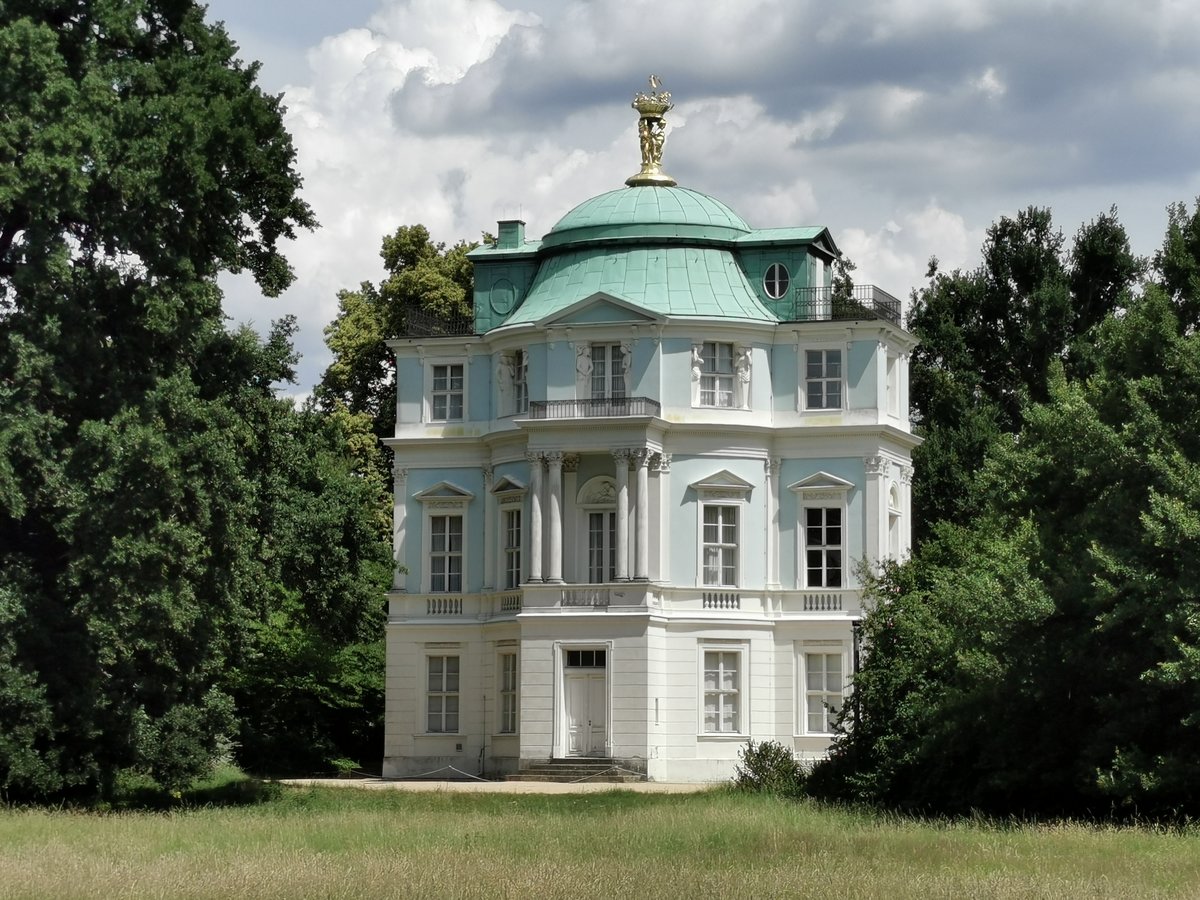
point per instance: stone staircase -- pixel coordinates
(577, 769)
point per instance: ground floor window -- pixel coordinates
(508, 693)
(823, 690)
(722, 691)
(442, 696)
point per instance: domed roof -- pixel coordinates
(647, 212)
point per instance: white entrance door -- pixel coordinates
(586, 708)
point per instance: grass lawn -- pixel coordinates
(321, 842)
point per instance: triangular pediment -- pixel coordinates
(601, 309)
(507, 485)
(722, 481)
(444, 490)
(821, 481)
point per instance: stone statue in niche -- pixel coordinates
(741, 364)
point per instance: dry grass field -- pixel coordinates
(321, 842)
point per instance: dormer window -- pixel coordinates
(776, 281)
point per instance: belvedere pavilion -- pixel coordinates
(633, 492)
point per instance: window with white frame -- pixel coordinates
(512, 548)
(445, 554)
(447, 392)
(823, 379)
(722, 691)
(608, 372)
(823, 549)
(520, 378)
(716, 374)
(441, 699)
(719, 548)
(893, 385)
(508, 693)
(602, 546)
(824, 689)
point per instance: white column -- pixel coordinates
(903, 388)
(906, 510)
(771, 466)
(535, 516)
(554, 461)
(664, 516)
(621, 460)
(641, 554)
(399, 524)
(569, 515)
(490, 531)
(876, 510)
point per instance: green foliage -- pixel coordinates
(1041, 656)
(990, 337)
(158, 504)
(421, 275)
(768, 767)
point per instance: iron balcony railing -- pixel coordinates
(419, 323)
(820, 305)
(593, 409)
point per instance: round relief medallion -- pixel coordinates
(503, 296)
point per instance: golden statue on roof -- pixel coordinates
(652, 134)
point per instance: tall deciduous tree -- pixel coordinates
(137, 160)
(1042, 656)
(421, 276)
(989, 337)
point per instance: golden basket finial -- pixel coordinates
(652, 134)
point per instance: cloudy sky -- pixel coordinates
(905, 126)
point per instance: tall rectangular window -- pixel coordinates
(442, 696)
(446, 396)
(823, 686)
(445, 554)
(823, 546)
(520, 382)
(823, 379)
(602, 544)
(608, 372)
(512, 548)
(722, 692)
(508, 693)
(720, 545)
(716, 374)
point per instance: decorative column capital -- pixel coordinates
(906, 474)
(771, 466)
(640, 457)
(662, 463)
(489, 474)
(536, 457)
(876, 465)
(553, 458)
(570, 462)
(622, 454)
(399, 472)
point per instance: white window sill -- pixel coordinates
(722, 736)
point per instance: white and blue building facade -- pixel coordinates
(632, 494)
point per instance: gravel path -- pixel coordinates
(502, 787)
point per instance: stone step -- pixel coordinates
(574, 769)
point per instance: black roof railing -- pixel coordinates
(419, 323)
(819, 304)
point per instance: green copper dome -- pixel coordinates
(647, 212)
